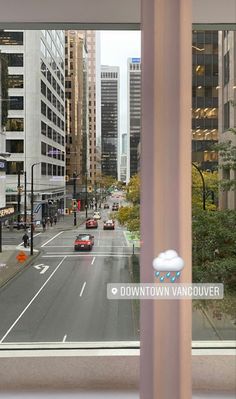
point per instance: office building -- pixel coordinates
(134, 115)
(94, 106)
(227, 114)
(35, 129)
(74, 92)
(110, 81)
(205, 87)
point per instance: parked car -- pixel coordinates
(109, 225)
(115, 207)
(91, 224)
(97, 215)
(106, 206)
(84, 241)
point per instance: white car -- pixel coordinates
(96, 216)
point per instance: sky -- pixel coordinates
(116, 48)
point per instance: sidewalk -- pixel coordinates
(10, 265)
(66, 222)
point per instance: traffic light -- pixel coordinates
(74, 204)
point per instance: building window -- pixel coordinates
(49, 169)
(11, 38)
(15, 59)
(14, 167)
(15, 81)
(43, 108)
(15, 146)
(43, 88)
(43, 148)
(16, 103)
(43, 168)
(226, 68)
(15, 125)
(226, 116)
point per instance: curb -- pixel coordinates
(24, 267)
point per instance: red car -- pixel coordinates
(91, 224)
(84, 241)
(109, 225)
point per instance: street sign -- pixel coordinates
(21, 257)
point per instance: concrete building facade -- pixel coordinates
(134, 115)
(227, 114)
(35, 130)
(110, 94)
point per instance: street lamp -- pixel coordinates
(32, 208)
(203, 187)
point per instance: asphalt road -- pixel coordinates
(63, 299)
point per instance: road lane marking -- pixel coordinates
(70, 255)
(32, 300)
(51, 239)
(64, 339)
(93, 260)
(126, 239)
(43, 267)
(82, 290)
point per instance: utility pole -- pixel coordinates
(25, 199)
(32, 209)
(74, 195)
(86, 194)
(18, 200)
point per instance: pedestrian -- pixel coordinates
(48, 221)
(55, 220)
(25, 239)
(51, 221)
(44, 225)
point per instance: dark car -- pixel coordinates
(84, 241)
(91, 224)
(115, 207)
(109, 225)
(106, 206)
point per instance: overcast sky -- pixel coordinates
(116, 48)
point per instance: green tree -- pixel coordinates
(227, 153)
(129, 216)
(133, 190)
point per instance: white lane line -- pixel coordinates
(82, 290)
(71, 254)
(64, 339)
(93, 260)
(35, 235)
(51, 239)
(32, 300)
(126, 240)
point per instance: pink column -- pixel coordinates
(166, 192)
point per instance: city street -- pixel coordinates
(61, 297)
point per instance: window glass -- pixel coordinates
(15, 146)
(15, 124)
(15, 81)
(11, 38)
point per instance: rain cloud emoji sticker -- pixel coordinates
(168, 266)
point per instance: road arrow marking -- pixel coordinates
(43, 267)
